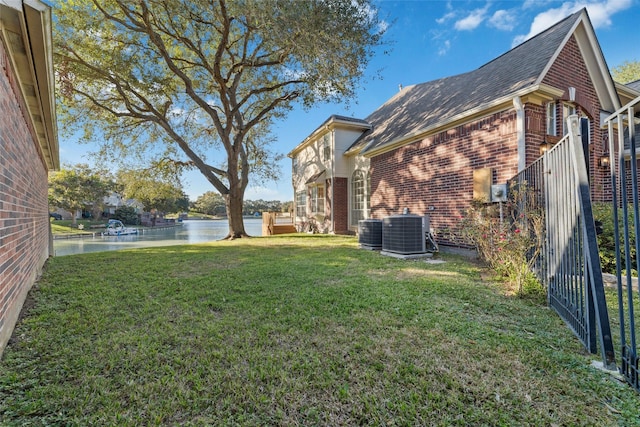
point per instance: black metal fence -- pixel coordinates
(623, 127)
(568, 264)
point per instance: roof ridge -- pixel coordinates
(532, 39)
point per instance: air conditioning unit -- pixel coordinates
(405, 234)
(370, 233)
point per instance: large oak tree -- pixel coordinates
(199, 82)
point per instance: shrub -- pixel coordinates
(127, 215)
(606, 243)
(508, 236)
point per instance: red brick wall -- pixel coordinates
(341, 213)
(569, 69)
(24, 218)
(435, 175)
(535, 130)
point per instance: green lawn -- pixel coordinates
(305, 330)
(65, 226)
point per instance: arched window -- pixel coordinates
(358, 197)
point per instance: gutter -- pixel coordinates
(333, 181)
(330, 123)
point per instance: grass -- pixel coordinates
(60, 227)
(304, 330)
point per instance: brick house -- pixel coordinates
(434, 145)
(28, 150)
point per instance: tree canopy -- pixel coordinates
(74, 187)
(198, 83)
(152, 192)
(627, 72)
(210, 203)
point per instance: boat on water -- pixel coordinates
(115, 227)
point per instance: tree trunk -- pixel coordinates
(234, 214)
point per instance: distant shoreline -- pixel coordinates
(217, 218)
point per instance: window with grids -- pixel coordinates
(317, 199)
(551, 119)
(326, 147)
(301, 203)
(358, 196)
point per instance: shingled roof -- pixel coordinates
(634, 85)
(423, 106)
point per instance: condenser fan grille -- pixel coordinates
(370, 233)
(404, 234)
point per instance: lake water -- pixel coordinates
(191, 231)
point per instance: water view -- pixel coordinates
(191, 231)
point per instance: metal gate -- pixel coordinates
(623, 127)
(568, 264)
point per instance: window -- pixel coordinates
(358, 197)
(326, 147)
(567, 110)
(301, 203)
(551, 119)
(294, 165)
(317, 199)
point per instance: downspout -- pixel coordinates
(522, 148)
(332, 228)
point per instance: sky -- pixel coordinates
(427, 40)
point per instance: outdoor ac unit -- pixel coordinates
(370, 233)
(405, 234)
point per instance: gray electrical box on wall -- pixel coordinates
(499, 193)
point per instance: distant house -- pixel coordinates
(431, 145)
(29, 150)
(114, 200)
(109, 205)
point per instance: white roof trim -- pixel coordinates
(593, 59)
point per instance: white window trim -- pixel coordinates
(567, 110)
(302, 206)
(326, 147)
(315, 199)
(352, 202)
(552, 119)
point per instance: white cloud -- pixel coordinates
(504, 20)
(444, 48)
(472, 20)
(600, 13)
(447, 17)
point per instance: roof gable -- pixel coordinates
(334, 121)
(425, 107)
